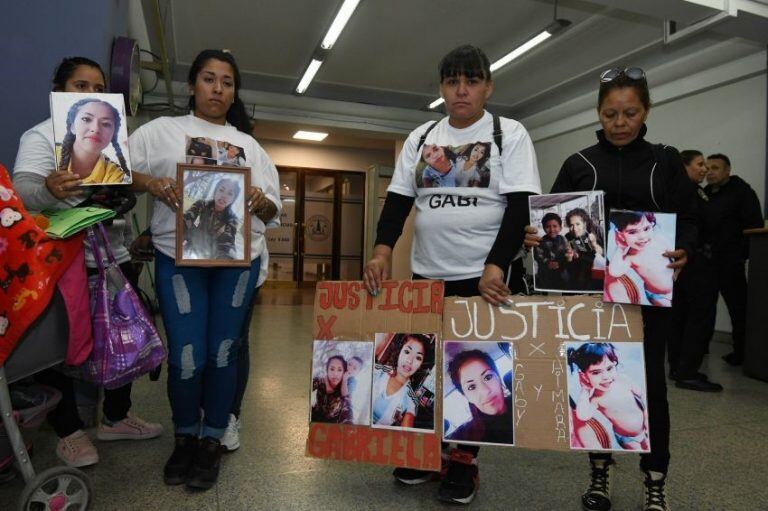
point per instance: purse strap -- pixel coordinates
(92, 240)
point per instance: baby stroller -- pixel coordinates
(42, 346)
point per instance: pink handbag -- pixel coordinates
(125, 341)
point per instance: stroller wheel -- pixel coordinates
(57, 489)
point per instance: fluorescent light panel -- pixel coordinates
(436, 103)
(315, 136)
(342, 17)
(309, 74)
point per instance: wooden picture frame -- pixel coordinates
(207, 235)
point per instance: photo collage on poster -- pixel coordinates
(207, 151)
(91, 137)
(464, 166)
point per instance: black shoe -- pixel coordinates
(698, 384)
(205, 467)
(412, 476)
(598, 495)
(655, 494)
(733, 359)
(177, 466)
(461, 480)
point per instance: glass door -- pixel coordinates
(316, 249)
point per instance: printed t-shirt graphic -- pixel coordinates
(461, 166)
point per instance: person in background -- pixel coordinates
(737, 207)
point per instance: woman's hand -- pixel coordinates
(491, 286)
(377, 269)
(595, 246)
(164, 188)
(531, 238)
(142, 249)
(679, 259)
(618, 264)
(257, 201)
(63, 184)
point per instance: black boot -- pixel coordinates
(177, 466)
(598, 495)
(205, 467)
(655, 494)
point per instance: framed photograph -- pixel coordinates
(571, 255)
(340, 392)
(91, 137)
(607, 396)
(637, 268)
(478, 406)
(403, 389)
(213, 226)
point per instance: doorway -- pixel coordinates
(321, 231)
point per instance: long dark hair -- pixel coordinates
(236, 115)
(66, 69)
(228, 213)
(69, 138)
(392, 353)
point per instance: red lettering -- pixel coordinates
(411, 460)
(421, 304)
(324, 294)
(349, 433)
(407, 307)
(380, 436)
(368, 301)
(389, 286)
(325, 327)
(354, 296)
(437, 297)
(363, 444)
(340, 295)
(396, 449)
(317, 445)
(335, 442)
(430, 452)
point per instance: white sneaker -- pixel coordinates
(231, 439)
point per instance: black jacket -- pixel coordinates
(736, 207)
(639, 177)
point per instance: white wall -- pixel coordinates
(730, 119)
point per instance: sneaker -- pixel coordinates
(655, 497)
(205, 467)
(598, 495)
(132, 427)
(231, 439)
(177, 466)
(411, 476)
(460, 484)
(76, 450)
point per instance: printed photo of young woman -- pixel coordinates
(91, 137)
(340, 392)
(571, 255)
(403, 392)
(607, 396)
(477, 392)
(638, 271)
(462, 166)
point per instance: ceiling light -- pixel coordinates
(308, 75)
(531, 43)
(341, 19)
(315, 136)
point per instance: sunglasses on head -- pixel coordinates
(633, 73)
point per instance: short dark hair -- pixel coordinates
(720, 156)
(462, 358)
(689, 154)
(622, 82)
(591, 353)
(624, 218)
(551, 216)
(466, 60)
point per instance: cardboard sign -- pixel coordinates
(344, 311)
(539, 327)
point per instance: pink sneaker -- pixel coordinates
(130, 428)
(76, 450)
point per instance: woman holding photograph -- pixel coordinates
(474, 374)
(204, 309)
(92, 125)
(585, 249)
(471, 239)
(210, 226)
(330, 403)
(639, 176)
(40, 187)
(404, 362)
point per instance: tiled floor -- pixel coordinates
(719, 449)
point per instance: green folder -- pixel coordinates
(66, 222)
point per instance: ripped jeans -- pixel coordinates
(203, 311)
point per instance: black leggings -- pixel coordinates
(657, 326)
(467, 288)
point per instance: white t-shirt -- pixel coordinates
(455, 227)
(389, 410)
(159, 145)
(36, 156)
